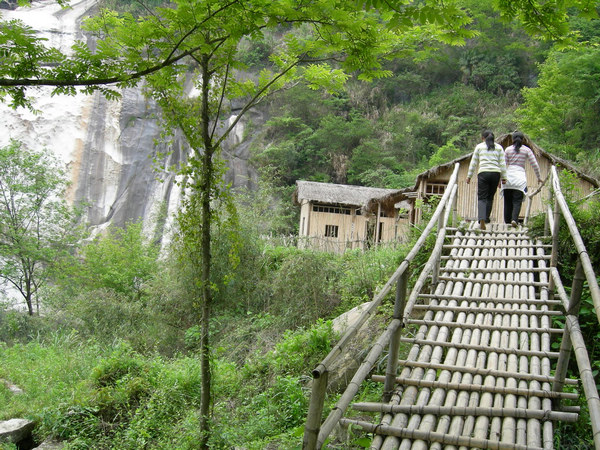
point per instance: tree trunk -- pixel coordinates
(206, 189)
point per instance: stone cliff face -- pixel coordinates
(107, 146)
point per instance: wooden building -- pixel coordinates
(333, 216)
(434, 181)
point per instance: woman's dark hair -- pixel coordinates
(489, 139)
(517, 138)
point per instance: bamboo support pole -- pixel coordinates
(340, 407)
(518, 329)
(392, 365)
(587, 376)
(481, 388)
(315, 411)
(468, 411)
(485, 372)
(565, 346)
(483, 348)
(447, 439)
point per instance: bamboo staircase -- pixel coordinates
(486, 365)
(478, 372)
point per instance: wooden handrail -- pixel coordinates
(315, 434)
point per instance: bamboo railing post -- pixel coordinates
(565, 346)
(315, 410)
(454, 211)
(392, 364)
(554, 253)
(436, 264)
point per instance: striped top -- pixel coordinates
(518, 158)
(488, 160)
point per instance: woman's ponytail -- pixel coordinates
(489, 139)
(517, 138)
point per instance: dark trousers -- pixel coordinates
(487, 184)
(513, 199)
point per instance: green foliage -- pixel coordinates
(119, 260)
(37, 227)
(561, 112)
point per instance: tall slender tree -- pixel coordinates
(36, 224)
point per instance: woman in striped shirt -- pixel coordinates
(516, 187)
(492, 168)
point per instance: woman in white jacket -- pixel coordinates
(489, 156)
(515, 188)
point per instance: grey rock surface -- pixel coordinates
(15, 430)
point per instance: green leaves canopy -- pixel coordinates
(36, 226)
(355, 35)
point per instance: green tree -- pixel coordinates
(561, 113)
(36, 225)
(119, 259)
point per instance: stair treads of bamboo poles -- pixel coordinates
(499, 281)
(485, 372)
(481, 388)
(483, 348)
(532, 301)
(434, 323)
(485, 310)
(468, 411)
(431, 436)
(497, 258)
(520, 246)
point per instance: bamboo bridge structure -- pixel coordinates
(486, 364)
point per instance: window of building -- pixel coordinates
(433, 188)
(331, 209)
(331, 231)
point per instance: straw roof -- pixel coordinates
(504, 140)
(337, 194)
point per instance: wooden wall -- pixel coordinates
(352, 229)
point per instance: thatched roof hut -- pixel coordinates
(338, 194)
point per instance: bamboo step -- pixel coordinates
(437, 323)
(492, 270)
(487, 280)
(530, 301)
(432, 436)
(482, 348)
(519, 413)
(497, 258)
(484, 372)
(515, 246)
(459, 309)
(503, 390)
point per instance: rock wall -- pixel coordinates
(108, 146)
